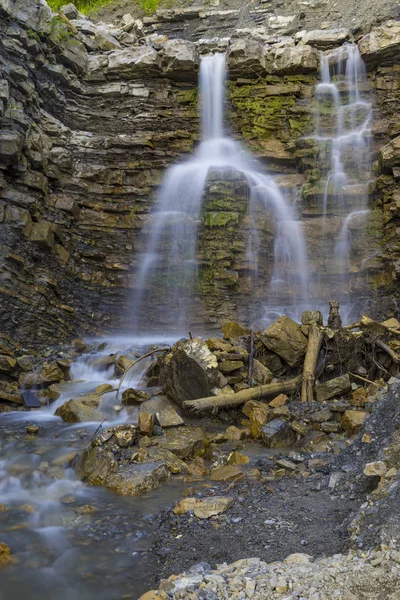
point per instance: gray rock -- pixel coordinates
(277, 434)
(334, 387)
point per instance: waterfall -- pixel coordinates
(168, 270)
(343, 133)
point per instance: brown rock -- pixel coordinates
(226, 473)
(236, 458)
(7, 363)
(259, 417)
(197, 468)
(146, 424)
(352, 421)
(5, 554)
(285, 338)
(234, 433)
(227, 366)
(131, 396)
(375, 469)
(231, 329)
(334, 387)
(280, 400)
(32, 429)
(75, 411)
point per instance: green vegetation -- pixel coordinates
(87, 6)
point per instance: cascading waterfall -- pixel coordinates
(168, 270)
(343, 132)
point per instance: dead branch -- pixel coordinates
(261, 391)
(138, 360)
(395, 358)
(315, 336)
(365, 380)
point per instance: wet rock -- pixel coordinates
(375, 469)
(155, 454)
(51, 373)
(285, 338)
(185, 442)
(352, 421)
(146, 423)
(277, 434)
(125, 438)
(130, 397)
(226, 473)
(32, 429)
(133, 480)
(76, 411)
(7, 363)
(95, 464)
(164, 410)
(334, 387)
(123, 363)
(104, 388)
(232, 330)
(5, 554)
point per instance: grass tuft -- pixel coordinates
(88, 6)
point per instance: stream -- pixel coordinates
(71, 541)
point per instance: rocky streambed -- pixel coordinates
(115, 483)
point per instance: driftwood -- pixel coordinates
(388, 350)
(261, 391)
(315, 336)
(135, 362)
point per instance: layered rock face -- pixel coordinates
(91, 116)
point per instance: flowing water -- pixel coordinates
(70, 541)
(343, 133)
(168, 270)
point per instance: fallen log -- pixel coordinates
(315, 336)
(261, 391)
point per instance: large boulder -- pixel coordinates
(326, 38)
(382, 44)
(190, 371)
(133, 62)
(285, 338)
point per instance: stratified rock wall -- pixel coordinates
(90, 119)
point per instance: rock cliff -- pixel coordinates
(92, 115)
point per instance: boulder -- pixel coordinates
(184, 378)
(277, 434)
(325, 38)
(198, 350)
(283, 25)
(332, 388)
(382, 44)
(245, 58)
(76, 411)
(95, 464)
(179, 59)
(285, 338)
(51, 373)
(352, 421)
(134, 479)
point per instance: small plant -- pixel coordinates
(33, 35)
